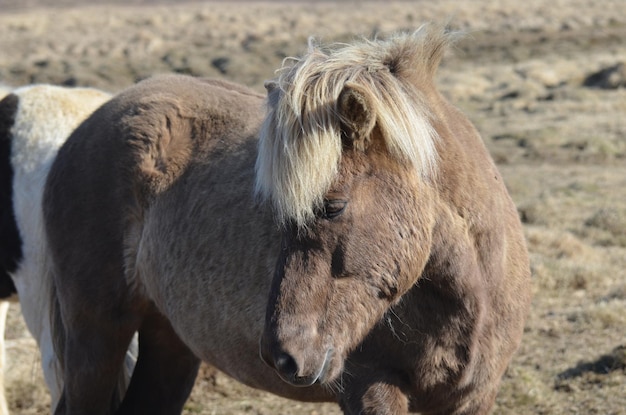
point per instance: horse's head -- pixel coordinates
(347, 155)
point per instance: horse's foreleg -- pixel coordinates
(165, 371)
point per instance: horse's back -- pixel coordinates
(131, 149)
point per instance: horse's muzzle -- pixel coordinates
(289, 369)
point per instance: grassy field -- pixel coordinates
(545, 85)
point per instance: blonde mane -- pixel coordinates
(300, 143)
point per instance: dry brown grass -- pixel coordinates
(543, 84)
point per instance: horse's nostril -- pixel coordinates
(286, 365)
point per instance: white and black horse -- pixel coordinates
(35, 121)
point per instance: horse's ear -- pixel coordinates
(270, 85)
(357, 115)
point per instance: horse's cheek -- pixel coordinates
(404, 245)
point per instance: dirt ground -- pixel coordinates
(544, 82)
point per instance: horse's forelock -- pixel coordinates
(300, 144)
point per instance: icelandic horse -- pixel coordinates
(380, 263)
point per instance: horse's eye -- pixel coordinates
(334, 208)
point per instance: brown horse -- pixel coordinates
(398, 279)
(403, 275)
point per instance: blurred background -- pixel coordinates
(545, 84)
